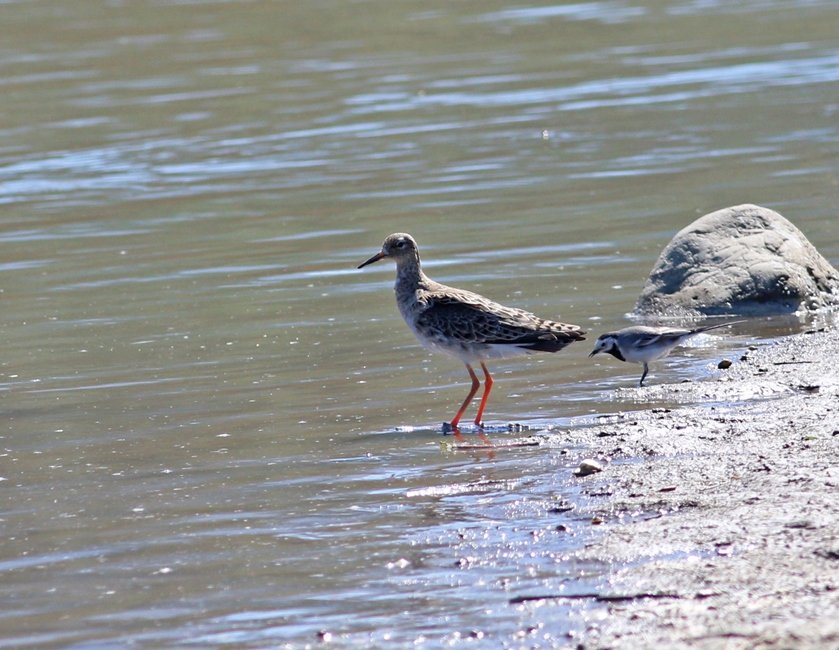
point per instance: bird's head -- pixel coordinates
(400, 247)
(607, 344)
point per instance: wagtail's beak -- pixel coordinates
(375, 258)
(593, 352)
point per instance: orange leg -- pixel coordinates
(487, 387)
(475, 386)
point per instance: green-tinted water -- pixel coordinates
(215, 431)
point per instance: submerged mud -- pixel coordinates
(739, 547)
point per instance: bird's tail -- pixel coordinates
(708, 328)
(551, 341)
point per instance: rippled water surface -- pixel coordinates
(216, 432)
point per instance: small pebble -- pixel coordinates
(588, 466)
(725, 364)
(565, 507)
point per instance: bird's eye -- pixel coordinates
(401, 244)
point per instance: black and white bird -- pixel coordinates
(645, 344)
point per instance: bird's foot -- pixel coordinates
(450, 428)
(454, 430)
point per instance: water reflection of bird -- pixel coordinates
(644, 344)
(465, 325)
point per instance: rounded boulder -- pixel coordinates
(745, 260)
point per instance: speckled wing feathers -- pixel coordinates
(470, 318)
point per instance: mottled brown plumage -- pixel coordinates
(463, 324)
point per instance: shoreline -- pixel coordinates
(739, 547)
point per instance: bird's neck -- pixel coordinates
(409, 278)
(616, 352)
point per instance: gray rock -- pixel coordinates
(744, 260)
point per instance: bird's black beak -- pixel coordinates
(375, 258)
(593, 352)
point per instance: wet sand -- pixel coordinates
(722, 520)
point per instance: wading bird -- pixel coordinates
(465, 325)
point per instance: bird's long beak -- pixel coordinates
(593, 352)
(375, 258)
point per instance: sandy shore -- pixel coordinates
(745, 553)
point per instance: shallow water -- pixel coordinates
(219, 433)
